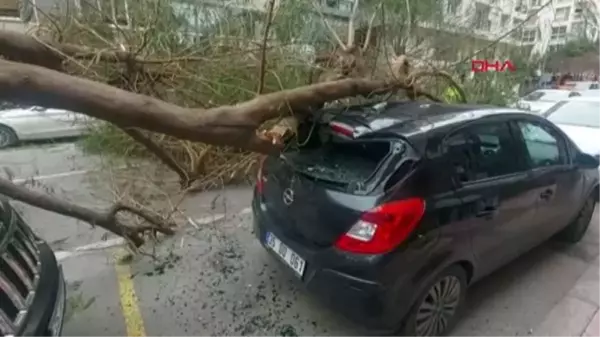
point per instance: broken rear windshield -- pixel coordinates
(340, 162)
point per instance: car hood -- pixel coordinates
(586, 138)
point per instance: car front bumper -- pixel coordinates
(360, 300)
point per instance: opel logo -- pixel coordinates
(288, 196)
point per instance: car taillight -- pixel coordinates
(383, 228)
(342, 129)
(260, 177)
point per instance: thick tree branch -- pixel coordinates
(107, 219)
(232, 125)
(29, 49)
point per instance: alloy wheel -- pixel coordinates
(438, 307)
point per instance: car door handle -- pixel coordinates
(547, 194)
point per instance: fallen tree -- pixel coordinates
(35, 71)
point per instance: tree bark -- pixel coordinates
(107, 219)
(229, 125)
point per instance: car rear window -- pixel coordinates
(534, 96)
(340, 162)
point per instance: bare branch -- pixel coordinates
(161, 154)
(351, 29)
(367, 40)
(107, 219)
(263, 53)
(24, 48)
(328, 26)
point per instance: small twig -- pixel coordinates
(161, 154)
(263, 53)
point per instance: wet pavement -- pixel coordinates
(214, 278)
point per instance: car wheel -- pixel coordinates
(7, 137)
(437, 309)
(577, 228)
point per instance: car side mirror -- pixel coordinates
(586, 161)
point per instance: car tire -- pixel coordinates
(427, 317)
(7, 137)
(577, 228)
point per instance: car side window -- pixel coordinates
(543, 147)
(482, 151)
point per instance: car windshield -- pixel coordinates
(578, 113)
(544, 96)
(534, 96)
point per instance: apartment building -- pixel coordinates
(539, 24)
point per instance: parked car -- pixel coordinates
(32, 287)
(579, 118)
(585, 85)
(541, 100)
(20, 123)
(388, 213)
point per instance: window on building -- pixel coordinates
(555, 47)
(504, 20)
(517, 32)
(577, 28)
(110, 11)
(562, 14)
(10, 8)
(529, 35)
(521, 6)
(339, 5)
(482, 15)
(531, 17)
(559, 32)
(453, 6)
(578, 12)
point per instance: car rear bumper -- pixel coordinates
(359, 300)
(46, 314)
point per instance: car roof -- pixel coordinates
(413, 119)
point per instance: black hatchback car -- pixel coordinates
(388, 212)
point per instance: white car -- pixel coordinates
(585, 85)
(19, 123)
(579, 118)
(541, 100)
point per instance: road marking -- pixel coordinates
(127, 297)
(51, 176)
(100, 245)
(67, 174)
(118, 241)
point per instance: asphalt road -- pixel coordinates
(214, 278)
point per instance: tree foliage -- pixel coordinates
(179, 80)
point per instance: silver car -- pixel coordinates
(541, 100)
(21, 123)
(579, 118)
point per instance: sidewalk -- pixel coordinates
(577, 313)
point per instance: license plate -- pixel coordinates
(289, 256)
